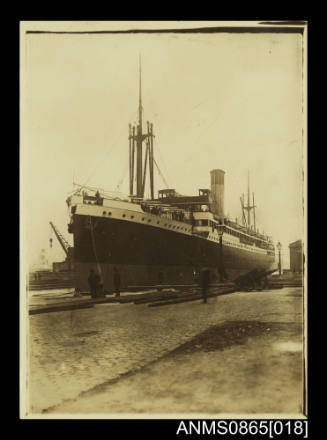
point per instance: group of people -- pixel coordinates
(157, 210)
(179, 216)
(96, 286)
(151, 209)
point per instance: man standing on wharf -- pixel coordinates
(92, 283)
(204, 283)
(117, 281)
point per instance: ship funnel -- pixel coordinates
(217, 192)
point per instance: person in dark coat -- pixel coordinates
(98, 198)
(97, 285)
(92, 283)
(117, 281)
(204, 283)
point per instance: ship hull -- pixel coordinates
(143, 254)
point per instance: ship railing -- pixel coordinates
(169, 213)
(104, 194)
(247, 230)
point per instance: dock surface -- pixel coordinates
(85, 360)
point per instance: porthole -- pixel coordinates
(124, 215)
(149, 221)
(109, 213)
(142, 218)
(158, 223)
(132, 216)
(104, 213)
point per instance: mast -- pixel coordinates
(243, 214)
(253, 212)
(248, 207)
(139, 186)
(136, 138)
(140, 94)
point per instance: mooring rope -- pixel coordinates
(94, 249)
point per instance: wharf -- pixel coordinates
(57, 301)
(198, 358)
(154, 296)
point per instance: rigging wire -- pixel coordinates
(102, 159)
(113, 146)
(94, 249)
(160, 173)
(209, 125)
(186, 122)
(162, 160)
(121, 180)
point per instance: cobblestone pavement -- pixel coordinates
(238, 367)
(74, 351)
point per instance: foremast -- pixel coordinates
(136, 139)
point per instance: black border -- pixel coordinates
(154, 427)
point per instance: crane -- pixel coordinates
(63, 242)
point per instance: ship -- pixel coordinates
(166, 238)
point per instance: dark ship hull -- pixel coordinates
(169, 238)
(141, 252)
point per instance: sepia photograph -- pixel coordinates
(163, 215)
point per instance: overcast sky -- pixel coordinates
(228, 101)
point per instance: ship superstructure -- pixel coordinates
(170, 237)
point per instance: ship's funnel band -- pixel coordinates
(217, 192)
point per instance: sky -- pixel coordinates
(227, 101)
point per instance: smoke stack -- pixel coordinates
(217, 192)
